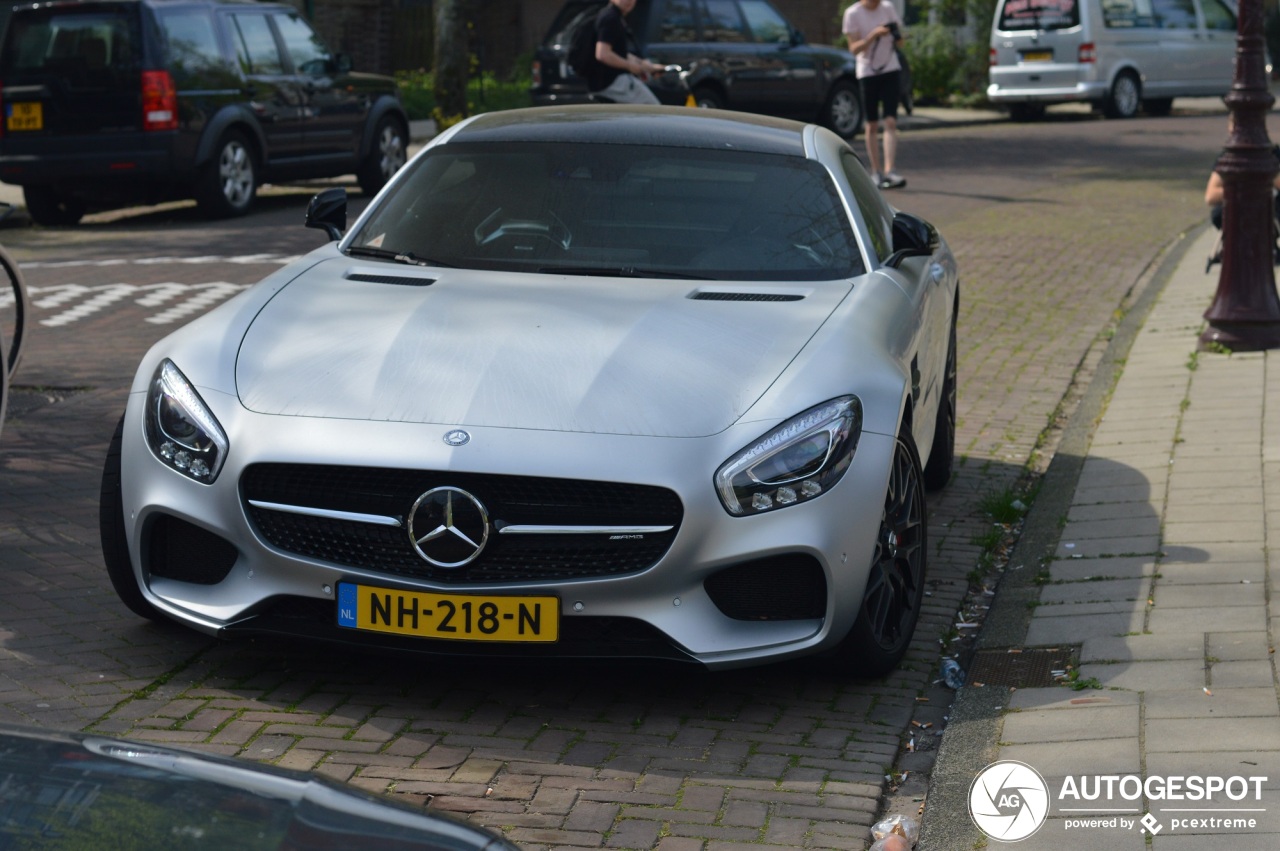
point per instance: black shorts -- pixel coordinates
(877, 90)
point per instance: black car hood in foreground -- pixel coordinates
(83, 791)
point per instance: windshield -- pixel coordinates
(1039, 15)
(622, 210)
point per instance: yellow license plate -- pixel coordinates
(24, 116)
(1038, 56)
(460, 617)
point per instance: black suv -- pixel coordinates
(110, 103)
(738, 54)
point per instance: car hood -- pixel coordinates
(670, 358)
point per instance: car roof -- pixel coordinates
(672, 126)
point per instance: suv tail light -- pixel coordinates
(1088, 53)
(159, 101)
(537, 73)
(994, 60)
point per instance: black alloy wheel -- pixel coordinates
(115, 547)
(843, 111)
(1125, 97)
(943, 449)
(895, 584)
(229, 181)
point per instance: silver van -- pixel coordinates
(1119, 55)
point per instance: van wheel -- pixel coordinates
(386, 155)
(228, 181)
(1159, 107)
(843, 112)
(1024, 112)
(1125, 97)
(48, 207)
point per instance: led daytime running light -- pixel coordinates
(198, 454)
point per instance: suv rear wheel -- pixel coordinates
(385, 158)
(228, 182)
(843, 112)
(47, 206)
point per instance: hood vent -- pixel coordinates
(391, 279)
(703, 295)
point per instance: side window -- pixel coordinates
(875, 212)
(766, 25)
(304, 47)
(255, 44)
(721, 21)
(1217, 16)
(1128, 14)
(1175, 14)
(677, 23)
(192, 45)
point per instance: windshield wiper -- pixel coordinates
(620, 272)
(406, 257)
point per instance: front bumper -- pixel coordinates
(663, 609)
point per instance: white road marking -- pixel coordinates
(242, 259)
(81, 301)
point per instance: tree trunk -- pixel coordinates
(452, 64)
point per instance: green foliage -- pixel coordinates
(936, 60)
(485, 93)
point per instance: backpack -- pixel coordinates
(582, 46)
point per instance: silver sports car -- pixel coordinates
(583, 381)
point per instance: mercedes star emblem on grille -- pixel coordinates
(457, 437)
(448, 527)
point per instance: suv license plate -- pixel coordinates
(1038, 56)
(24, 116)
(458, 617)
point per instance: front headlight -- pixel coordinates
(180, 429)
(795, 462)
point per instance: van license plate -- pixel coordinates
(460, 617)
(24, 116)
(1038, 56)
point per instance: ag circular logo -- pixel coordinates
(1008, 801)
(448, 527)
(457, 437)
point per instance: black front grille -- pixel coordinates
(786, 587)
(510, 500)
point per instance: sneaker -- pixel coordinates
(876, 179)
(893, 180)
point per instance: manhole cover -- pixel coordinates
(1030, 667)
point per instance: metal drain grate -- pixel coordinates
(1028, 668)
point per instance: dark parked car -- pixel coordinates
(107, 103)
(75, 790)
(738, 54)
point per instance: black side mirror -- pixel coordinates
(912, 237)
(328, 212)
(341, 63)
(797, 38)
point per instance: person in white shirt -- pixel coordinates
(874, 30)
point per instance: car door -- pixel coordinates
(334, 113)
(786, 74)
(275, 95)
(1179, 62)
(724, 35)
(1219, 46)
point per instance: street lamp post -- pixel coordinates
(1245, 314)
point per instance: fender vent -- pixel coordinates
(721, 296)
(391, 279)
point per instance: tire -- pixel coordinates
(895, 584)
(227, 183)
(942, 453)
(1024, 112)
(1125, 97)
(387, 154)
(843, 111)
(115, 547)
(50, 208)
(708, 98)
(1158, 107)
